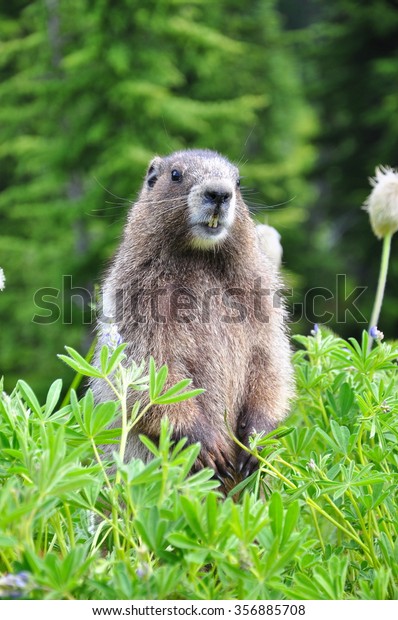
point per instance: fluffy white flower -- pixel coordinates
(2, 280)
(382, 202)
(270, 243)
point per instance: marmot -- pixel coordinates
(190, 286)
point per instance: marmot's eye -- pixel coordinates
(238, 182)
(176, 175)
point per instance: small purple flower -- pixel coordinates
(111, 335)
(119, 339)
(142, 571)
(315, 329)
(375, 333)
(12, 586)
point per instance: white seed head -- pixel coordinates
(270, 243)
(2, 280)
(382, 202)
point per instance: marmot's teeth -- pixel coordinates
(213, 222)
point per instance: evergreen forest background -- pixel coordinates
(302, 94)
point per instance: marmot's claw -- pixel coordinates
(215, 460)
(247, 464)
(224, 471)
(217, 477)
(230, 464)
(200, 464)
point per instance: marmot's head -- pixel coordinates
(195, 196)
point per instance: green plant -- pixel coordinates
(318, 519)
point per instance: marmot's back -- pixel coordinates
(190, 286)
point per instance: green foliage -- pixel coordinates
(317, 521)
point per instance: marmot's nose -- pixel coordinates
(218, 198)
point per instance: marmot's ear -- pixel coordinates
(153, 171)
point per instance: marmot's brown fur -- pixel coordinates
(190, 286)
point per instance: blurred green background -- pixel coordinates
(302, 94)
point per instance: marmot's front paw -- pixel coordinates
(215, 459)
(246, 462)
(211, 455)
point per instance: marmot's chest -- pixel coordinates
(211, 303)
